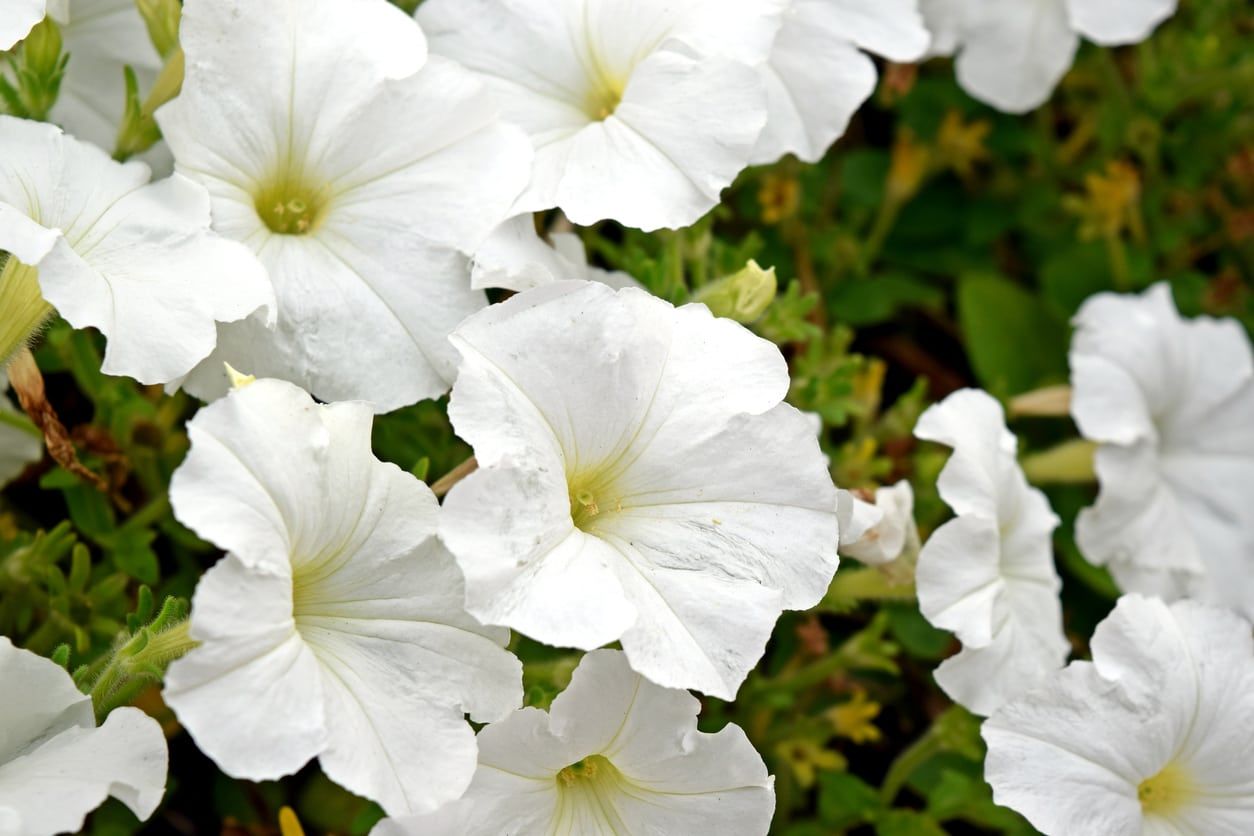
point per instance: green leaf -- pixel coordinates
(132, 553)
(907, 823)
(920, 639)
(1015, 341)
(870, 301)
(846, 800)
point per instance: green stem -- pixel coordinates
(1117, 253)
(1069, 463)
(853, 586)
(138, 662)
(885, 220)
(917, 754)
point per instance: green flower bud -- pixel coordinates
(743, 296)
(162, 19)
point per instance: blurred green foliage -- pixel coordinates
(939, 245)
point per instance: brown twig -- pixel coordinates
(28, 384)
(446, 482)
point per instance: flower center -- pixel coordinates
(1166, 792)
(22, 306)
(587, 790)
(604, 98)
(290, 206)
(592, 496)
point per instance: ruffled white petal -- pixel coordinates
(1170, 689)
(354, 645)
(20, 16)
(135, 260)
(1014, 54)
(691, 547)
(1176, 454)
(988, 574)
(943, 19)
(251, 694)
(815, 80)
(56, 766)
(891, 28)
(1116, 22)
(369, 291)
(668, 777)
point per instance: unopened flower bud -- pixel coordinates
(162, 19)
(743, 296)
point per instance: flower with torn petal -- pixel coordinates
(334, 627)
(20, 442)
(515, 257)
(988, 574)
(640, 112)
(1012, 54)
(817, 76)
(94, 239)
(639, 481)
(56, 766)
(1169, 402)
(891, 533)
(614, 754)
(357, 169)
(1153, 736)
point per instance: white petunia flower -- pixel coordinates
(20, 443)
(1153, 736)
(19, 17)
(614, 754)
(94, 239)
(356, 168)
(890, 533)
(56, 766)
(515, 257)
(334, 627)
(640, 481)
(988, 574)
(641, 111)
(1169, 402)
(1012, 53)
(817, 76)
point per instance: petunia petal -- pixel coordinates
(1116, 22)
(1014, 54)
(53, 786)
(251, 695)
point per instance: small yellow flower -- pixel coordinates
(806, 757)
(780, 198)
(960, 144)
(1110, 203)
(854, 719)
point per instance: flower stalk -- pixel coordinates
(139, 659)
(23, 309)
